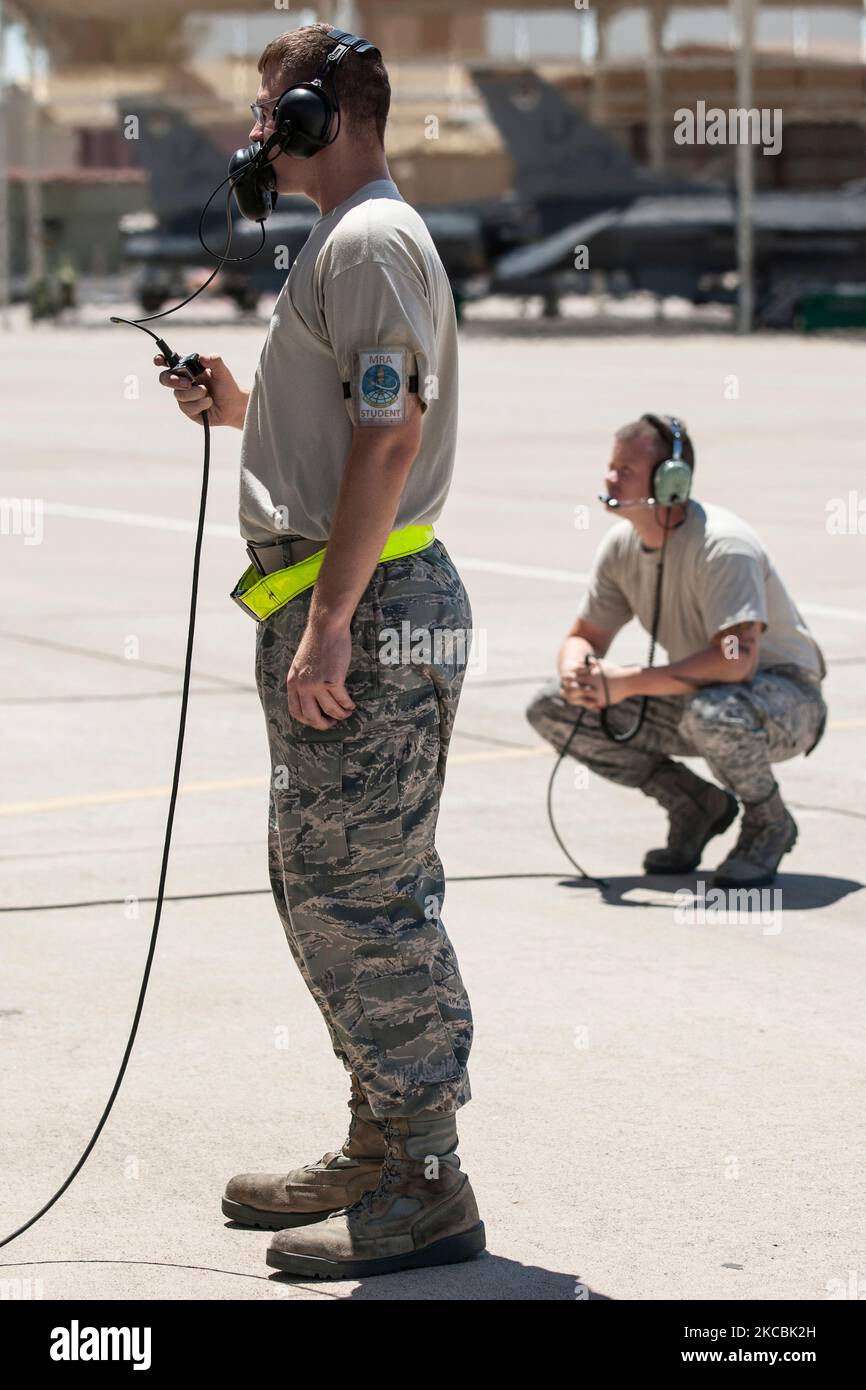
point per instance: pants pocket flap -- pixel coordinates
(403, 1015)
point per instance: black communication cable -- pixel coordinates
(184, 703)
(590, 878)
(189, 367)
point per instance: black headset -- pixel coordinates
(303, 117)
(671, 478)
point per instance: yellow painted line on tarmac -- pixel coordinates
(64, 803)
(61, 803)
(495, 755)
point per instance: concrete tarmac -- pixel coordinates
(662, 1108)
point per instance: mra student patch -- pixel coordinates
(379, 386)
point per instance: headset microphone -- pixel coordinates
(613, 503)
(253, 182)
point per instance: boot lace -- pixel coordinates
(391, 1173)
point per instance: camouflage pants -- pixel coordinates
(354, 870)
(740, 729)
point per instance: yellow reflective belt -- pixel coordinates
(262, 594)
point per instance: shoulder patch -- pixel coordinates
(379, 386)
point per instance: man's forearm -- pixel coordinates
(707, 667)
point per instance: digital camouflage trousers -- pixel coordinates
(357, 880)
(739, 728)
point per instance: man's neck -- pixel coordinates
(646, 522)
(336, 180)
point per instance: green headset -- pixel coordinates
(671, 478)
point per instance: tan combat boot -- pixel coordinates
(767, 832)
(275, 1201)
(698, 810)
(408, 1221)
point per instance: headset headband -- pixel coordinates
(671, 434)
(330, 105)
(345, 41)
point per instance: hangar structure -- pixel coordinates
(81, 32)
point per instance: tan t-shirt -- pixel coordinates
(716, 573)
(368, 276)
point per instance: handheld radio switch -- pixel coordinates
(189, 366)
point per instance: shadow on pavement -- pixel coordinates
(488, 1277)
(794, 892)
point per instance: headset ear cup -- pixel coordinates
(301, 118)
(671, 482)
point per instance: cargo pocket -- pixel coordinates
(318, 769)
(357, 797)
(372, 815)
(407, 1029)
(344, 813)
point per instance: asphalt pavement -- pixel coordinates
(662, 1108)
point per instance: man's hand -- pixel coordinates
(584, 641)
(587, 689)
(316, 682)
(216, 391)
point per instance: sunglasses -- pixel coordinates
(260, 114)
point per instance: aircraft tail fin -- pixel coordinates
(556, 151)
(184, 163)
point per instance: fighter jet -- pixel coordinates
(580, 204)
(601, 212)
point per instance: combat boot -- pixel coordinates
(698, 810)
(768, 831)
(275, 1201)
(422, 1212)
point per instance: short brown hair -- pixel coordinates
(360, 80)
(656, 429)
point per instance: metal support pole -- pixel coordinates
(744, 12)
(597, 101)
(32, 162)
(655, 85)
(4, 188)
